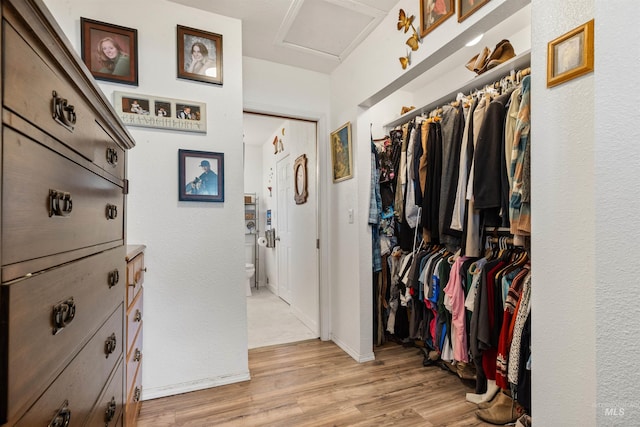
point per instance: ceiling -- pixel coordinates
(311, 34)
(318, 34)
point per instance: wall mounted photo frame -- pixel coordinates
(466, 8)
(434, 13)
(570, 55)
(300, 176)
(110, 51)
(200, 176)
(341, 153)
(136, 109)
(199, 55)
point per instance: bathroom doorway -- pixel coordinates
(282, 314)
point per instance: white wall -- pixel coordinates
(617, 223)
(195, 333)
(563, 225)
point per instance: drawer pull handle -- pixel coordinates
(136, 394)
(112, 211)
(63, 314)
(138, 316)
(110, 344)
(63, 113)
(112, 156)
(60, 203)
(111, 411)
(137, 356)
(63, 417)
(114, 278)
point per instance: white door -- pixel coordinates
(284, 188)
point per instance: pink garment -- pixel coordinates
(455, 292)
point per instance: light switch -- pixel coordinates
(350, 214)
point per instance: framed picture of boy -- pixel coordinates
(201, 176)
(199, 55)
(110, 51)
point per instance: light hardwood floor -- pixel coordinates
(315, 383)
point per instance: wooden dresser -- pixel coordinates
(62, 248)
(135, 278)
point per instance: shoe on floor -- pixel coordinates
(504, 410)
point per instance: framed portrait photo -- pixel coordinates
(199, 55)
(110, 51)
(434, 13)
(341, 157)
(466, 8)
(570, 55)
(201, 176)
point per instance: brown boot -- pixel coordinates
(490, 403)
(504, 52)
(478, 61)
(504, 410)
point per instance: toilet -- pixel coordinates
(250, 270)
(249, 267)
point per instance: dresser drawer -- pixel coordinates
(134, 320)
(82, 381)
(132, 407)
(83, 285)
(31, 79)
(135, 277)
(134, 361)
(111, 404)
(93, 215)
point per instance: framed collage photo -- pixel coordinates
(341, 157)
(434, 13)
(110, 51)
(199, 55)
(201, 176)
(466, 8)
(136, 109)
(570, 55)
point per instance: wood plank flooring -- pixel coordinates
(315, 383)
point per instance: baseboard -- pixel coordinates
(173, 389)
(360, 358)
(308, 321)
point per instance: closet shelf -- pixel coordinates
(518, 62)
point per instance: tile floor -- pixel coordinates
(271, 322)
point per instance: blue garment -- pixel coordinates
(375, 212)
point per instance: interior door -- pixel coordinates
(284, 186)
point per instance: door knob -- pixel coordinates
(278, 238)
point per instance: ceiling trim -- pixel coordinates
(294, 9)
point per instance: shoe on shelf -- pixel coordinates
(502, 53)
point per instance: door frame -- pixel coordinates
(322, 175)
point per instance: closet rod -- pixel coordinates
(518, 62)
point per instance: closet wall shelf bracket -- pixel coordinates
(519, 62)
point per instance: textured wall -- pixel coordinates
(617, 154)
(563, 225)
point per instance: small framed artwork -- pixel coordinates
(136, 109)
(110, 51)
(570, 55)
(466, 8)
(199, 55)
(341, 158)
(434, 13)
(201, 176)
